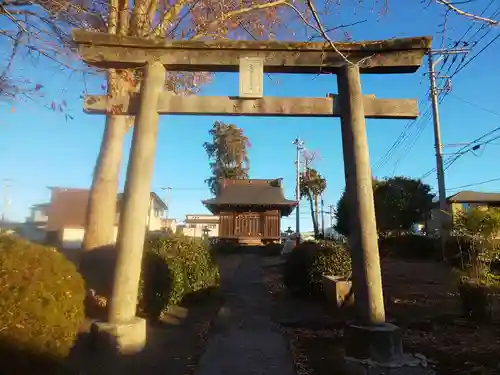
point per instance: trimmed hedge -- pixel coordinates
(175, 267)
(224, 248)
(309, 261)
(272, 249)
(41, 307)
(411, 246)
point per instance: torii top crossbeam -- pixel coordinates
(384, 56)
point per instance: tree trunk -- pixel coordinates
(313, 216)
(101, 210)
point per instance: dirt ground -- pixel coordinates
(420, 297)
(173, 347)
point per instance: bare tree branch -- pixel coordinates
(474, 17)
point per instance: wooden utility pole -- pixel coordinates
(443, 216)
(367, 279)
(299, 146)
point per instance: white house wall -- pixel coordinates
(154, 219)
(72, 238)
(196, 230)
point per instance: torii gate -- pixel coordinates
(251, 59)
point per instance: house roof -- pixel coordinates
(153, 195)
(41, 205)
(248, 193)
(202, 219)
(474, 197)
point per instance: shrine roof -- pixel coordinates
(251, 192)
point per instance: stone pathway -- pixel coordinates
(245, 341)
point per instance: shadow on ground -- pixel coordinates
(173, 346)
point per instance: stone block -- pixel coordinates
(120, 338)
(338, 291)
(378, 343)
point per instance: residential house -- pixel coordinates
(38, 214)
(33, 228)
(197, 225)
(66, 215)
(157, 209)
(462, 200)
(169, 224)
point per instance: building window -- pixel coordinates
(466, 206)
(191, 225)
(211, 226)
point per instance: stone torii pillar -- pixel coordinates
(367, 280)
(370, 337)
(127, 331)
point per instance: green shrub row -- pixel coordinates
(175, 267)
(272, 249)
(411, 246)
(41, 307)
(310, 261)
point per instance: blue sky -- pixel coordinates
(38, 148)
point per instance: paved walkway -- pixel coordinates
(245, 341)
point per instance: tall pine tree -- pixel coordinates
(227, 153)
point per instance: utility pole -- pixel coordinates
(168, 190)
(323, 216)
(6, 199)
(299, 146)
(332, 212)
(443, 207)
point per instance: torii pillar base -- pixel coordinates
(378, 350)
(124, 338)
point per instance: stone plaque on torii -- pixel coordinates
(252, 59)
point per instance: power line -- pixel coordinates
(475, 105)
(475, 184)
(405, 134)
(464, 150)
(475, 56)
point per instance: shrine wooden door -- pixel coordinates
(247, 225)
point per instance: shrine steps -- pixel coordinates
(249, 241)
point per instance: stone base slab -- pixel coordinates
(413, 367)
(378, 343)
(119, 338)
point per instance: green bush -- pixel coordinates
(411, 246)
(41, 307)
(476, 300)
(309, 261)
(175, 267)
(330, 260)
(272, 249)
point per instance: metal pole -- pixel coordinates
(6, 200)
(299, 146)
(331, 220)
(443, 209)
(323, 216)
(168, 189)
